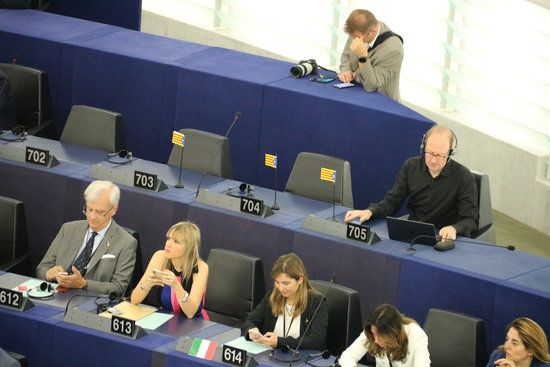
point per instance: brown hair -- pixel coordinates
(189, 234)
(360, 20)
(389, 324)
(291, 265)
(532, 337)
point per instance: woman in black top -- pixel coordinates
(282, 317)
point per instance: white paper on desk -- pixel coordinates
(154, 320)
(250, 346)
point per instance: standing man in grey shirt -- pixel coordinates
(372, 55)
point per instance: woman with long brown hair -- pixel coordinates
(525, 346)
(392, 338)
(282, 317)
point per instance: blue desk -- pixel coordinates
(466, 280)
(161, 85)
(526, 295)
(267, 238)
(472, 278)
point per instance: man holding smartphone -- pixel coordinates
(372, 55)
(95, 253)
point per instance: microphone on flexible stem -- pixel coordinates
(332, 280)
(411, 248)
(13, 61)
(237, 116)
(507, 247)
(450, 244)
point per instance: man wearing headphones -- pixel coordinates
(441, 190)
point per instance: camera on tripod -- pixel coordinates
(304, 67)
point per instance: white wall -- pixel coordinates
(518, 178)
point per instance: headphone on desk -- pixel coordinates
(245, 190)
(295, 356)
(18, 131)
(121, 154)
(454, 142)
(43, 292)
(313, 357)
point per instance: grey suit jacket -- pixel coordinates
(111, 266)
(382, 72)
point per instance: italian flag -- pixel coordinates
(203, 348)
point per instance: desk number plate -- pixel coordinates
(357, 232)
(252, 206)
(11, 299)
(145, 180)
(122, 326)
(234, 356)
(37, 156)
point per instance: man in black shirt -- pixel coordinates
(442, 191)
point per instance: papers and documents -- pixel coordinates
(131, 311)
(250, 346)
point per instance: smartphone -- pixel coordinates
(157, 273)
(324, 80)
(255, 333)
(343, 85)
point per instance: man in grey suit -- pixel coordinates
(377, 66)
(95, 253)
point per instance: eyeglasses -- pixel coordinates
(100, 213)
(436, 156)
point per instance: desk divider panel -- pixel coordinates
(228, 202)
(96, 322)
(331, 227)
(121, 177)
(18, 154)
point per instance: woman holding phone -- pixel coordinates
(281, 318)
(175, 278)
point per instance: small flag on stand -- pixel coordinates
(203, 348)
(178, 138)
(271, 160)
(328, 174)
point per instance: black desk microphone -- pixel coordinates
(332, 280)
(450, 244)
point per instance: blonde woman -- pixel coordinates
(281, 318)
(176, 277)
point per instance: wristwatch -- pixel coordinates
(363, 59)
(184, 299)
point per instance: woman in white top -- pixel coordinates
(395, 341)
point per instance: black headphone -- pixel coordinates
(43, 287)
(309, 359)
(454, 143)
(121, 154)
(245, 190)
(102, 307)
(18, 130)
(285, 349)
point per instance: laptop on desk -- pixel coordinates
(405, 230)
